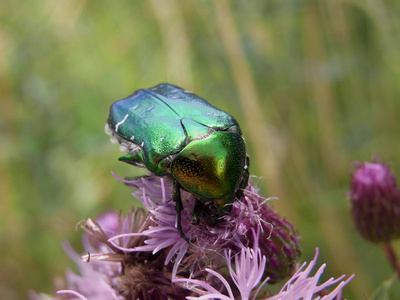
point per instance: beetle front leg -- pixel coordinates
(176, 196)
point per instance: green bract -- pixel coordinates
(173, 132)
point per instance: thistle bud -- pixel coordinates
(375, 202)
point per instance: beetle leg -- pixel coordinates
(212, 211)
(176, 196)
(198, 209)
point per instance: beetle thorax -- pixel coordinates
(211, 168)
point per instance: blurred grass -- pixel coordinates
(314, 85)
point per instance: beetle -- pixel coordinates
(172, 132)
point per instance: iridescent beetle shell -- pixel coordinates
(171, 131)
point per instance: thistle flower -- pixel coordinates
(96, 280)
(249, 268)
(144, 257)
(375, 202)
(279, 240)
(303, 286)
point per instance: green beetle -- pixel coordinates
(173, 132)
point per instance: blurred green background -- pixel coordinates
(314, 84)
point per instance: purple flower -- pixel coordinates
(279, 239)
(249, 269)
(96, 279)
(164, 235)
(375, 202)
(303, 286)
(144, 257)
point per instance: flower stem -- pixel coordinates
(392, 257)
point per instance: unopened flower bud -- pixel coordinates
(375, 202)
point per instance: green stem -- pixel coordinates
(392, 257)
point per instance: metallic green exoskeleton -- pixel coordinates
(172, 132)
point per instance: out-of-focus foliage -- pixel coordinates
(314, 84)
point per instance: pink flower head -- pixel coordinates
(249, 267)
(144, 257)
(375, 202)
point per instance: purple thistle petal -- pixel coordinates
(156, 187)
(301, 286)
(249, 265)
(95, 280)
(163, 235)
(208, 292)
(78, 295)
(279, 240)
